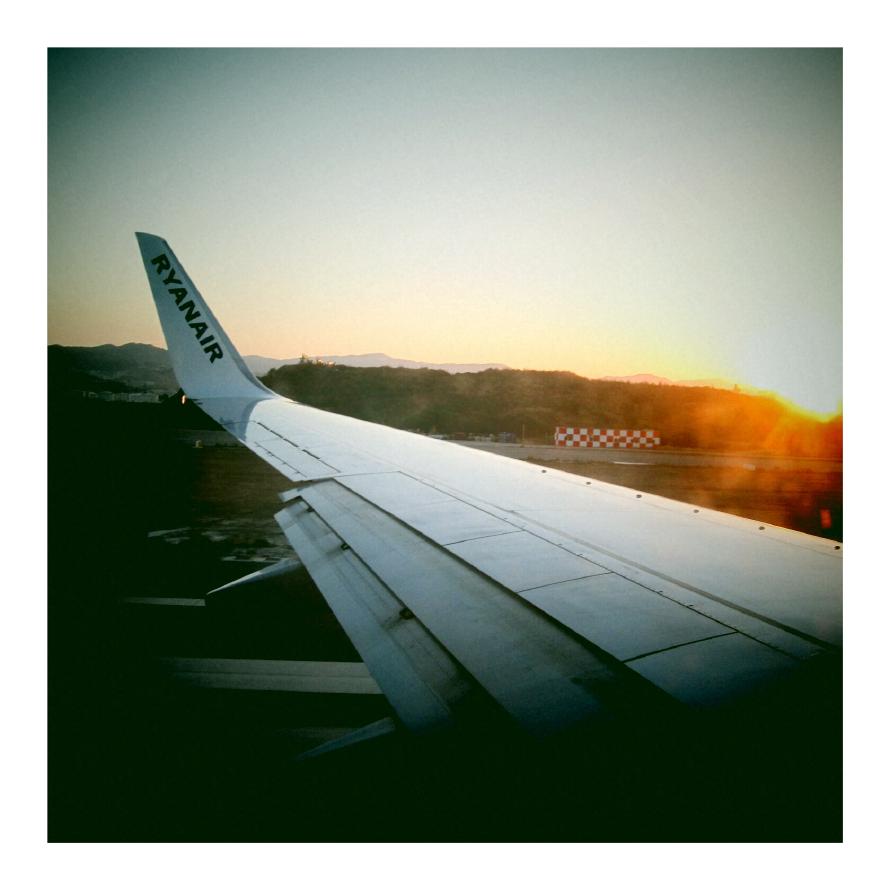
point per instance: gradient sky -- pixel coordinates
(676, 212)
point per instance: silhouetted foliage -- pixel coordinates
(508, 400)
(129, 368)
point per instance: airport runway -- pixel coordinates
(675, 457)
(657, 456)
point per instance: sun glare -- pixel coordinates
(813, 408)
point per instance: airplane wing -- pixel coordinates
(480, 588)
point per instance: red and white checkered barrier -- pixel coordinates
(585, 437)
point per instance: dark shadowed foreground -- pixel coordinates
(135, 754)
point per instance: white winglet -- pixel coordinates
(206, 363)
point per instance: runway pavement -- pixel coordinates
(657, 456)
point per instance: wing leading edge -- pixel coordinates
(477, 587)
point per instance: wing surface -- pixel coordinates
(477, 587)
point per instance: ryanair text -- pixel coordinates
(187, 307)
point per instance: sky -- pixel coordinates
(608, 212)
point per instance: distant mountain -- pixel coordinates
(138, 367)
(666, 381)
(261, 365)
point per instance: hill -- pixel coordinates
(128, 368)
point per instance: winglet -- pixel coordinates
(206, 363)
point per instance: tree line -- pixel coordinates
(535, 402)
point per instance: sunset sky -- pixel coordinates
(608, 212)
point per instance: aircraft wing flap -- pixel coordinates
(418, 677)
(539, 673)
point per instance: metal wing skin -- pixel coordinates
(480, 588)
